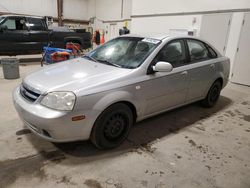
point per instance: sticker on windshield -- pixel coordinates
(149, 40)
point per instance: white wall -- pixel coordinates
(108, 9)
(109, 12)
(164, 24)
(170, 6)
(234, 36)
(75, 9)
(37, 7)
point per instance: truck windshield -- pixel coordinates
(124, 52)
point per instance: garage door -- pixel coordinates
(241, 68)
(215, 29)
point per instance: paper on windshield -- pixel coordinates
(149, 40)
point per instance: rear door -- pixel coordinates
(38, 33)
(14, 38)
(202, 68)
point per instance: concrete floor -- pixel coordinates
(190, 147)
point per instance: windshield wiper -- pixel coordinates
(108, 63)
(91, 58)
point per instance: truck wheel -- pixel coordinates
(213, 95)
(112, 126)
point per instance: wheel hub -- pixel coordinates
(214, 94)
(114, 126)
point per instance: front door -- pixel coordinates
(165, 90)
(38, 34)
(14, 38)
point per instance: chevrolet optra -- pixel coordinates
(102, 94)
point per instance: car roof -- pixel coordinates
(161, 36)
(20, 15)
(144, 35)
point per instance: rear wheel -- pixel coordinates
(112, 126)
(213, 95)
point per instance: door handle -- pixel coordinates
(212, 66)
(184, 73)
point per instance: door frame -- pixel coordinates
(236, 53)
(228, 31)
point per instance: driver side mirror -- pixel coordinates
(162, 66)
(3, 27)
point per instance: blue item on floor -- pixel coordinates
(49, 50)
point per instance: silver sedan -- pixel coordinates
(102, 94)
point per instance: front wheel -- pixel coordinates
(213, 95)
(112, 126)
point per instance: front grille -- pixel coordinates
(28, 94)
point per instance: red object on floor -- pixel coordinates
(102, 39)
(75, 47)
(59, 56)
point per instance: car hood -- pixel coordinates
(74, 75)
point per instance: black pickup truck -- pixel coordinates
(20, 35)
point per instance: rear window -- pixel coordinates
(197, 50)
(35, 24)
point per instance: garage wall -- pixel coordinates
(234, 35)
(162, 15)
(167, 6)
(108, 10)
(166, 24)
(73, 9)
(110, 15)
(38, 7)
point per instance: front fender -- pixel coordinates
(115, 97)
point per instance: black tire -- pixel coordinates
(112, 126)
(213, 95)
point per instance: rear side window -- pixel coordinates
(173, 53)
(197, 50)
(212, 53)
(35, 24)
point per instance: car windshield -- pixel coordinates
(1, 19)
(124, 52)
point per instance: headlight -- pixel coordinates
(59, 100)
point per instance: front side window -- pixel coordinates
(15, 24)
(197, 50)
(125, 52)
(173, 53)
(35, 24)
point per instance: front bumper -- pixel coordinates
(53, 125)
